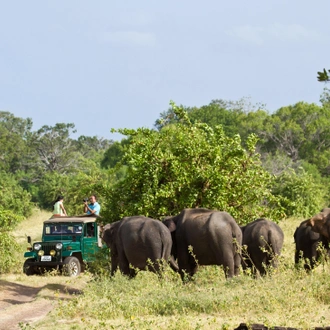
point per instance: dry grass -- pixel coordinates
(32, 226)
(286, 297)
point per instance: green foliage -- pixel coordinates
(191, 165)
(8, 219)
(14, 134)
(323, 75)
(114, 154)
(92, 147)
(52, 149)
(74, 187)
(300, 195)
(8, 247)
(13, 197)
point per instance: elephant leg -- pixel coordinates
(237, 263)
(123, 263)
(229, 267)
(114, 263)
(187, 265)
(132, 272)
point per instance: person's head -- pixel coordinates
(92, 199)
(59, 198)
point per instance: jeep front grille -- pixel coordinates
(47, 248)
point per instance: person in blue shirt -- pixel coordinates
(93, 207)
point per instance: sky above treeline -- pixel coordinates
(117, 64)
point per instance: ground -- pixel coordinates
(26, 299)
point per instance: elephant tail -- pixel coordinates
(166, 252)
(274, 244)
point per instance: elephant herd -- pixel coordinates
(208, 237)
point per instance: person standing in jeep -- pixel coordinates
(59, 209)
(93, 207)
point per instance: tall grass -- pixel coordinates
(287, 297)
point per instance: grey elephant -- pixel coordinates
(264, 241)
(205, 237)
(307, 244)
(138, 242)
(310, 235)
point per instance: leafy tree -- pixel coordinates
(14, 134)
(114, 154)
(92, 147)
(13, 197)
(230, 114)
(73, 186)
(53, 149)
(190, 165)
(300, 194)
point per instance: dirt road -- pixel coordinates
(28, 299)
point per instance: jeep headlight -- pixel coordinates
(59, 246)
(52, 253)
(37, 246)
(41, 253)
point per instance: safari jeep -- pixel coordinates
(68, 243)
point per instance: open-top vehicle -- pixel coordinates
(68, 244)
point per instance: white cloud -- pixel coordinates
(130, 38)
(293, 32)
(248, 33)
(258, 35)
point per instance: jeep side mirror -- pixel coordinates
(29, 239)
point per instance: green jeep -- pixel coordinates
(68, 243)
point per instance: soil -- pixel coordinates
(27, 299)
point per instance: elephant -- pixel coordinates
(307, 242)
(310, 234)
(205, 237)
(264, 240)
(138, 243)
(320, 223)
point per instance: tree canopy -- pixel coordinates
(189, 165)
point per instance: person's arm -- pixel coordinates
(87, 208)
(63, 209)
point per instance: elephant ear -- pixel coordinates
(108, 234)
(170, 224)
(318, 224)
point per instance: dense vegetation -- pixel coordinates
(225, 155)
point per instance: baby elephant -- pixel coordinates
(264, 241)
(138, 242)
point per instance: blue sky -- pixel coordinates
(117, 64)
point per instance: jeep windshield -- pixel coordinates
(62, 228)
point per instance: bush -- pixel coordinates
(13, 197)
(191, 165)
(299, 194)
(8, 245)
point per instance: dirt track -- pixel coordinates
(24, 303)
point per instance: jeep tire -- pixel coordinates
(71, 266)
(28, 267)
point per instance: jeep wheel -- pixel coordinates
(71, 266)
(28, 267)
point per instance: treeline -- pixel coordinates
(226, 155)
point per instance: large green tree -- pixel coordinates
(190, 165)
(14, 136)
